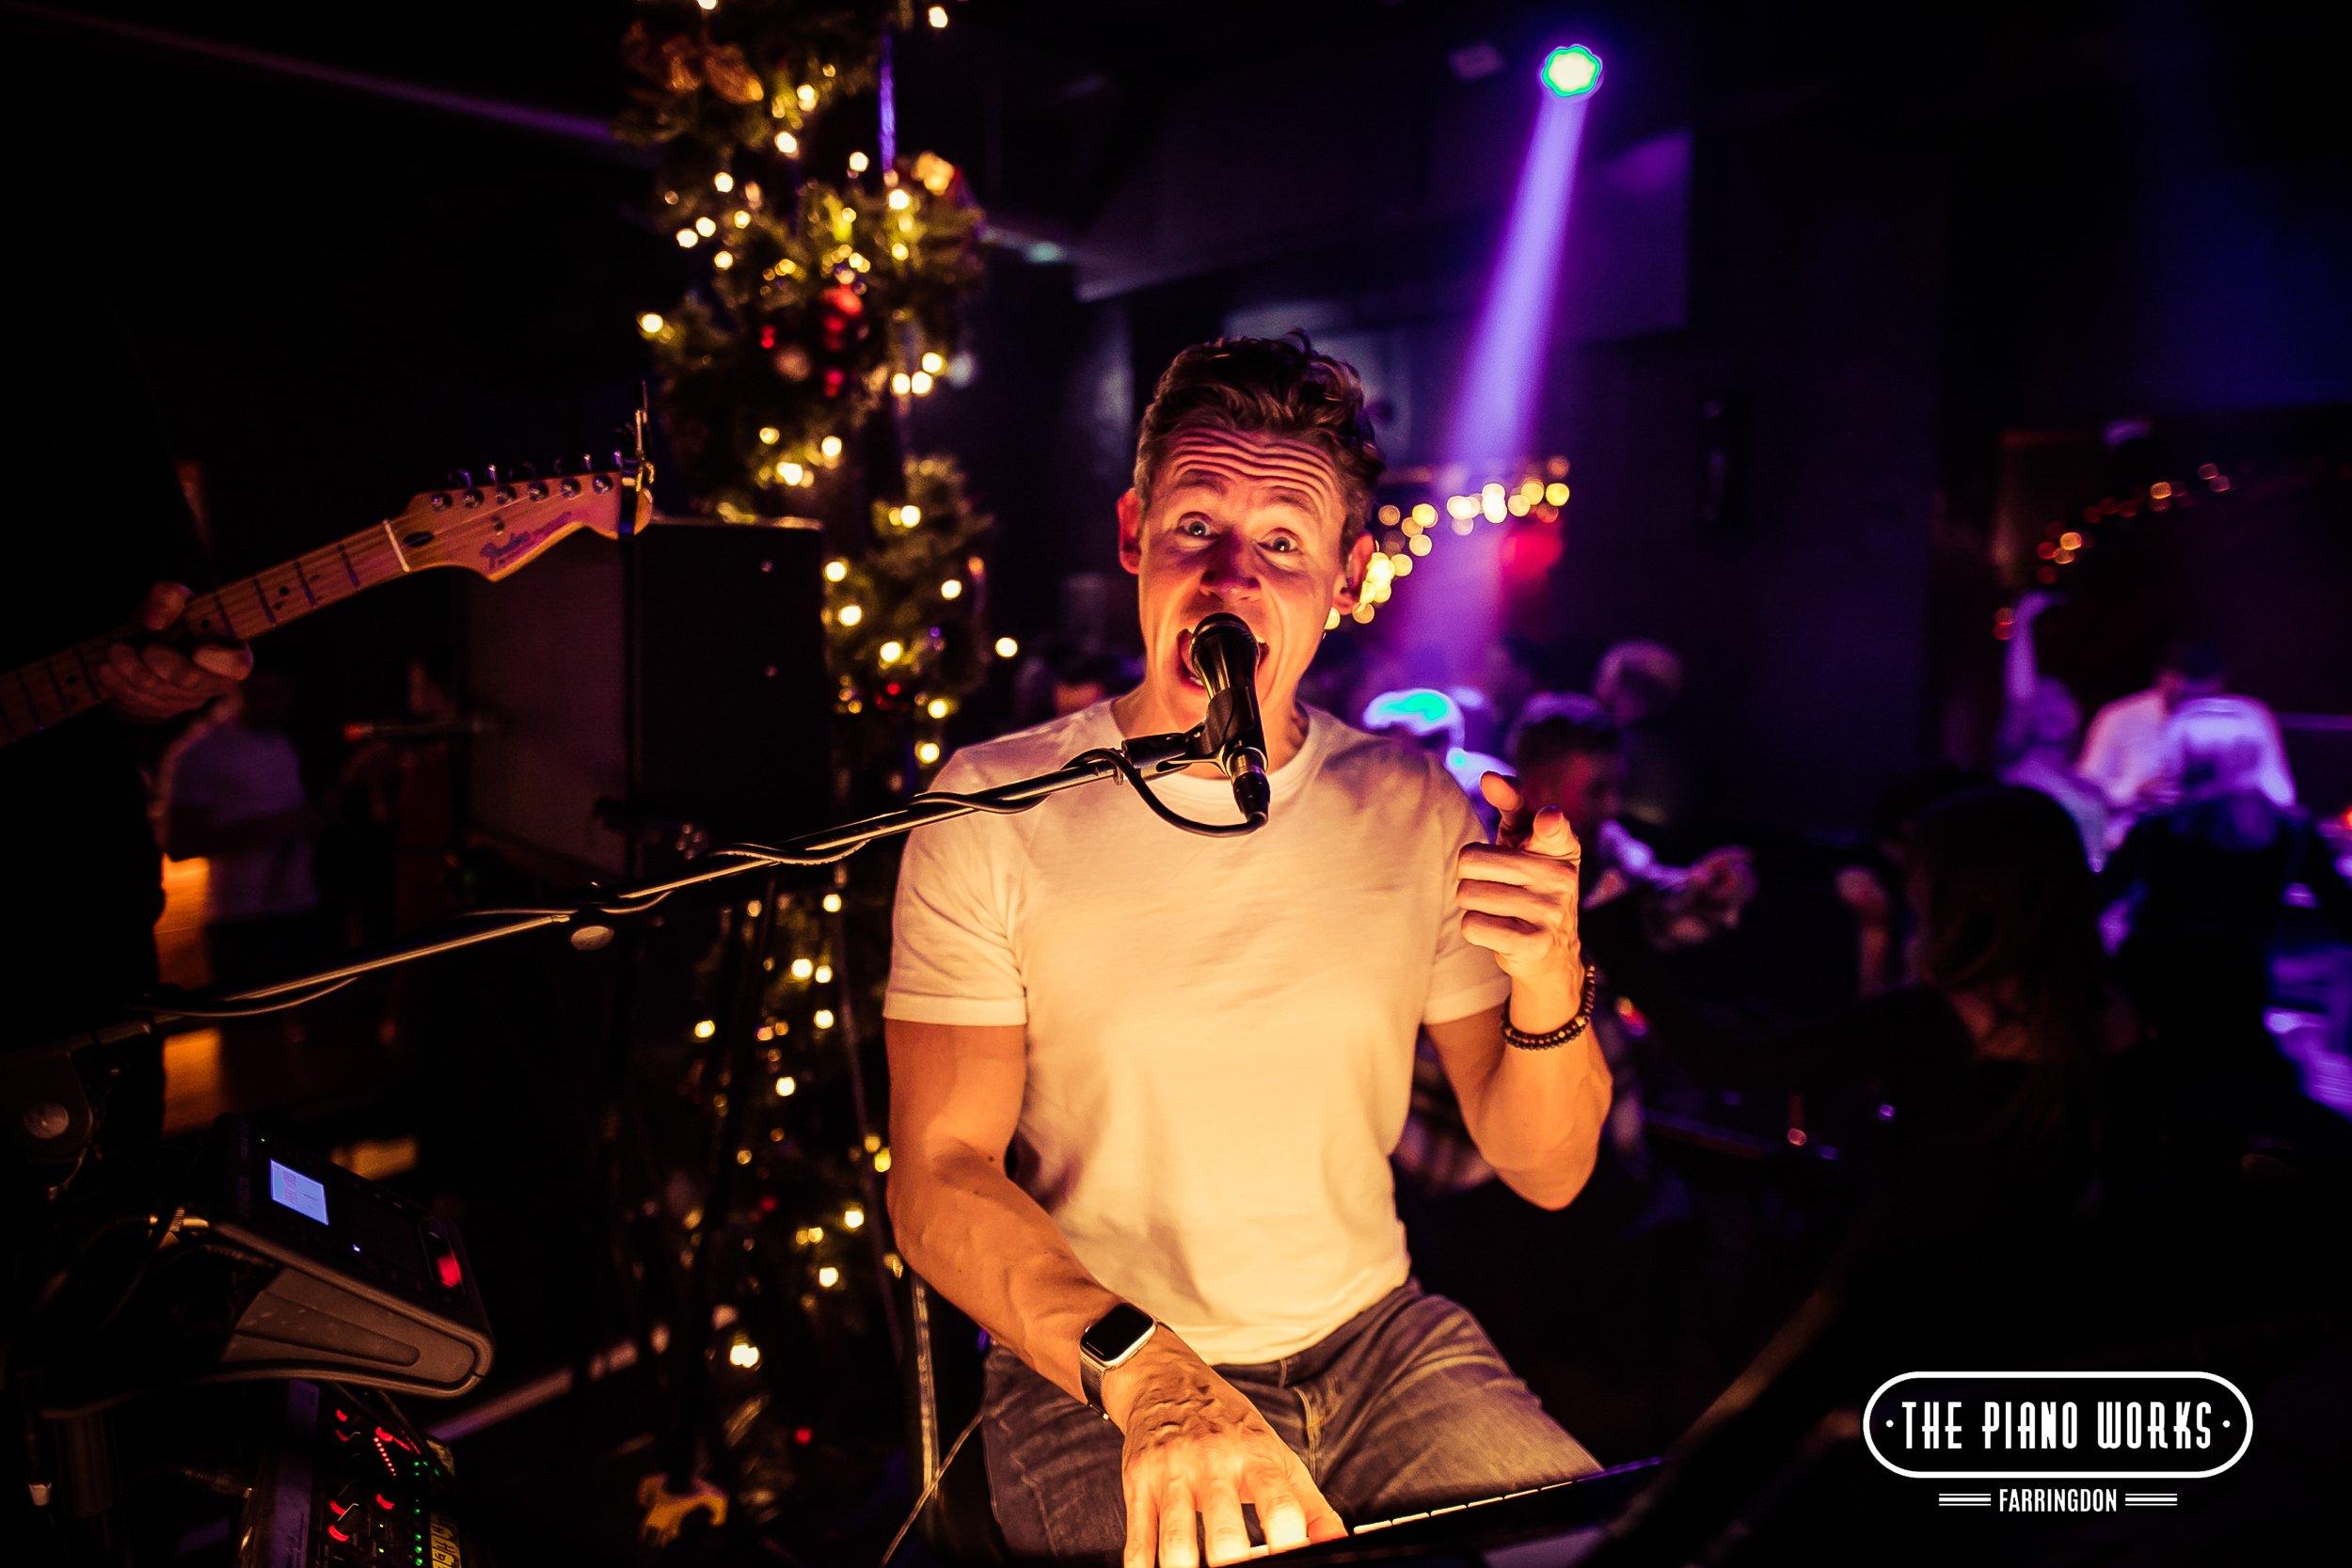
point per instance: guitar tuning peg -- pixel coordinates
(527, 470)
(461, 478)
(494, 474)
(587, 462)
(620, 463)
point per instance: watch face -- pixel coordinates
(1116, 1332)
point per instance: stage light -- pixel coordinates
(1573, 71)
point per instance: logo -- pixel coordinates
(2034, 1427)
(505, 547)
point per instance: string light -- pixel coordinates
(927, 753)
(851, 615)
(650, 323)
(951, 589)
(725, 260)
(889, 652)
(832, 903)
(723, 181)
(1006, 647)
(822, 1018)
(770, 435)
(787, 1086)
(829, 1276)
(743, 1353)
(824, 974)
(703, 1030)
(687, 237)
(898, 200)
(921, 380)
(802, 968)
(857, 163)
(704, 226)
(830, 446)
(788, 144)
(933, 363)
(936, 707)
(835, 570)
(937, 15)
(852, 1218)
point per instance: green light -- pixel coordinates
(1573, 71)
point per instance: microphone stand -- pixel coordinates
(590, 918)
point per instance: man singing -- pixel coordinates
(1145, 1083)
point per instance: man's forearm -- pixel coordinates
(965, 1226)
(1542, 1113)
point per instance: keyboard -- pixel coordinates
(1542, 1525)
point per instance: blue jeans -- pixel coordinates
(1404, 1406)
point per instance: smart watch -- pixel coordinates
(1110, 1341)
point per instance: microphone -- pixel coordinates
(1225, 656)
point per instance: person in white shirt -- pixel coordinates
(1144, 1084)
(2124, 749)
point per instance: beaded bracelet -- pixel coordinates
(1520, 1040)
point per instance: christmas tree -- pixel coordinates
(832, 272)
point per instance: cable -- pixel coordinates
(932, 1486)
(986, 800)
(754, 854)
(165, 1009)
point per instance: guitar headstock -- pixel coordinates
(495, 528)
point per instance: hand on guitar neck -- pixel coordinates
(152, 682)
(491, 530)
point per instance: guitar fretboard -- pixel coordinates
(50, 690)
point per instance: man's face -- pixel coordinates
(1244, 522)
(1583, 786)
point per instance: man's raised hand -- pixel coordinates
(1195, 1451)
(1518, 894)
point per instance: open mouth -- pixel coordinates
(1184, 672)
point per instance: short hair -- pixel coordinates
(2195, 659)
(1649, 673)
(1268, 387)
(1556, 724)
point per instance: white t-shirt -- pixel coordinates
(2123, 753)
(1220, 1030)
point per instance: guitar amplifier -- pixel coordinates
(678, 677)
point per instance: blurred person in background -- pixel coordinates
(233, 794)
(102, 537)
(1640, 684)
(1566, 755)
(2205, 881)
(2040, 725)
(2124, 749)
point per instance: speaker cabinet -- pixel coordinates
(677, 677)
